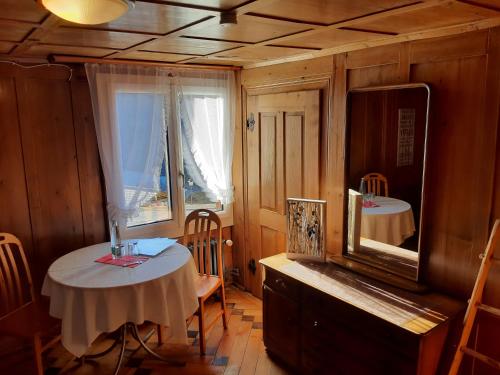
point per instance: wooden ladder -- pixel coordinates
(475, 305)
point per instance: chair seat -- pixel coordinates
(29, 320)
(206, 285)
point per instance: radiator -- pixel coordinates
(213, 255)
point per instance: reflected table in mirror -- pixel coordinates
(390, 221)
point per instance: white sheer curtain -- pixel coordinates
(207, 116)
(129, 105)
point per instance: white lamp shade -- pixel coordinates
(89, 12)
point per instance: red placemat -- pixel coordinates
(129, 261)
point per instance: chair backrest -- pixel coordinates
(16, 285)
(207, 227)
(374, 182)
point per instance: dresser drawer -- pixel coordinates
(281, 328)
(282, 284)
(355, 350)
(360, 323)
(336, 363)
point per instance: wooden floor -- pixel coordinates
(238, 350)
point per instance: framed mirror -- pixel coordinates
(386, 136)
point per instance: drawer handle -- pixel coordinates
(281, 283)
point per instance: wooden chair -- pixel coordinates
(21, 314)
(207, 225)
(373, 182)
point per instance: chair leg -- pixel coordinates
(37, 348)
(223, 306)
(159, 333)
(201, 320)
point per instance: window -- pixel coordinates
(136, 114)
(165, 140)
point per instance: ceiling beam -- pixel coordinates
(63, 59)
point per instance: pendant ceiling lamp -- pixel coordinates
(89, 12)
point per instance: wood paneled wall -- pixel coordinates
(50, 179)
(463, 176)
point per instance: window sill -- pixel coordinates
(170, 228)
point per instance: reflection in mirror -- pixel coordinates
(385, 163)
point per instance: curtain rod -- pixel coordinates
(80, 59)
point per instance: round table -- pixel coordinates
(391, 222)
(92, 298)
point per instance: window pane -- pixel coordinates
(135, 115)
(196, 193)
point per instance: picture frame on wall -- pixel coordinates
(306, 224)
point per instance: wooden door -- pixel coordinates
(283, 161)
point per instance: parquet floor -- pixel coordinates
(237, 350)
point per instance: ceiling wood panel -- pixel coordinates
(48, 49)
(156, 18)
(327, 11)
(92, 38)
(492, 4)
(155, 56)
(14, 33)
(23, 10)
(188, 45)
(443, 15)
(5, 47)
(331, 38)
(249, 29)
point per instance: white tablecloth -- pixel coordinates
(391, 223)
(92, 298)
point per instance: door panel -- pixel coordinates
(268, 175)
(283, 161)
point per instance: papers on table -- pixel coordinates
(153, 246)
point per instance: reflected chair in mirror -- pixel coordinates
(22, 314)
(207, 233)
(374, 182)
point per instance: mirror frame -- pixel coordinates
(346, 188)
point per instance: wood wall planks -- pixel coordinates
(15, 214)
(463, 183)
(50, 167)
(453, 241)
(51, 175)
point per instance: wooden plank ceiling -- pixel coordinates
(268, 31)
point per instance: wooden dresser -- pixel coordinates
(322, 319)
